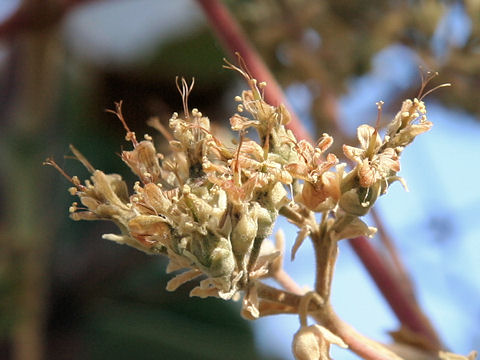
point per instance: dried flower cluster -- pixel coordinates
(209, 206)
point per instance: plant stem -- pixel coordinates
(366, 348)
(287, 298)
(361, 345)
(326, 252)
(284, 280)
(36, 15)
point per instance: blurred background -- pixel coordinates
(67, 294)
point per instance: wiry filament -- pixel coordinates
(118, 112)
(434, 89)
(243, 70)
(426, 77)
(76, 183)
(425, 80)
(238, 180)
(157, 125)
(185, 92)
(79, 156)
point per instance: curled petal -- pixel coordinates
(143, 161)
(331, 185)
(306, 150)
(327, 164)
(297, 170)
(106, 187)
(252, 149)
(388, 161)
(325, 142)
(149, 229)
(240, 123)
(366, 134)
(353, 153)
(367, 175)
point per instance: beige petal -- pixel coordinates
(364, 133)
(181, 279)
(353, 153)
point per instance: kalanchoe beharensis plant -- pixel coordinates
(210, 206)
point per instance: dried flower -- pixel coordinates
(372, 164)
(209, 207)
(309, 165)
(206, 207)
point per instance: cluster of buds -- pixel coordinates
(209, 206)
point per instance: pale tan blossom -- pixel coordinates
(373, 163)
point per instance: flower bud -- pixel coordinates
(313, 343)
(307, 346)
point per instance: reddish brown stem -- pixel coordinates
(398, 265)
(393, 293)
(234, 40)
(35, 15)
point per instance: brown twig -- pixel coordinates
(325, 315)
(35, 15)
(358, 343)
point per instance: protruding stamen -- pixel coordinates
(79, 156)
(157, 125)
(434, 89)
(185, 93)
(118, 112)
(379, 114)
(51, 162)
(425, 81)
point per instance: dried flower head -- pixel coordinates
(209, 207)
